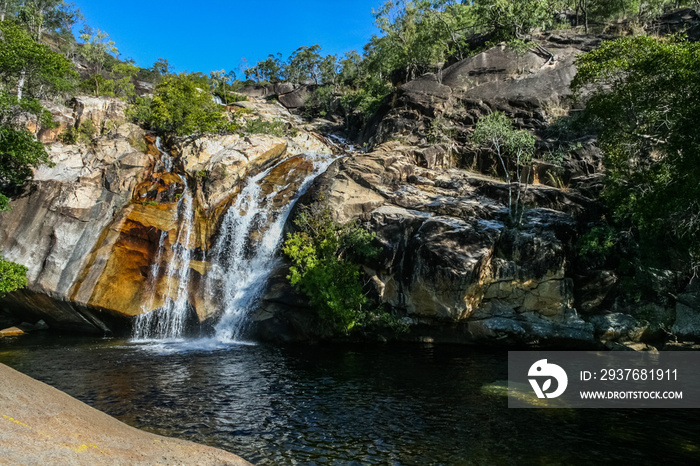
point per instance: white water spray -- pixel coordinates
(244, 256)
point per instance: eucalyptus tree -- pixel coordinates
(304, 65)
(29, 67)
(514, 150)
(96, 51)
(47, 15)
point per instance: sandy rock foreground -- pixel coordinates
(42, 425)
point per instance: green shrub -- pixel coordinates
(325, 266)
(12, 276)
(181, 106)
(83, 134)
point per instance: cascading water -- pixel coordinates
(169, 321)
(241, 260)
(241, 266)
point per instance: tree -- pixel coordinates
(122, 75)
(304, 64)
(350, 67)
(33, 68)
(8, 8)
(513, 18)
(42, 15)
(328, 69)
(644, 103)
(514, 150)
(417, 36)
(95, 51)
(270, 69)
(180, 106)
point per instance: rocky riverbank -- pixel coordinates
(42, 425)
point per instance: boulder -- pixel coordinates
(687, 322)
(41, 425)
(99, 111)
(11, 332)
(297, 98)
(449, 262)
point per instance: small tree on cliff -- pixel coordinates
(95, 51)
(514, 150)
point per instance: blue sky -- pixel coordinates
(210, 35)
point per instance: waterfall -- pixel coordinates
(241, 263)
(241, 259)
(169, 321)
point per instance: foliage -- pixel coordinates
(322, 101)
(19, 152)
(514, 149)
(644, 104)
(12, 276)
(366, 99)
(122, 75)
(181, 107)
(269, 70)
(34, 69)
(84, 134)
(325, 257)
(513, 18)
(221, 84)
(140, 111)
(95, 51)
(46, 15)
(304, 65)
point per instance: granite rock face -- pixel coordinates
(450, 263)
(91, 227)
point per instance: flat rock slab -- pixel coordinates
(44, 426)
(11, 332)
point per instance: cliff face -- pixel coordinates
(452, 264)
(109, 232)
(449, 262)
(92, 227)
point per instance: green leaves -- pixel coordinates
(514, 150)
(12, 276)
(33, 68)
(19, 151)
(179, 106)
(325, 257)
(644, 103)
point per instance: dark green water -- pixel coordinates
(407, 405)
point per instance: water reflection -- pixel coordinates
(344, 405)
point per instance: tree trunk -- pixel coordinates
(20, 83)
(97, 86)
